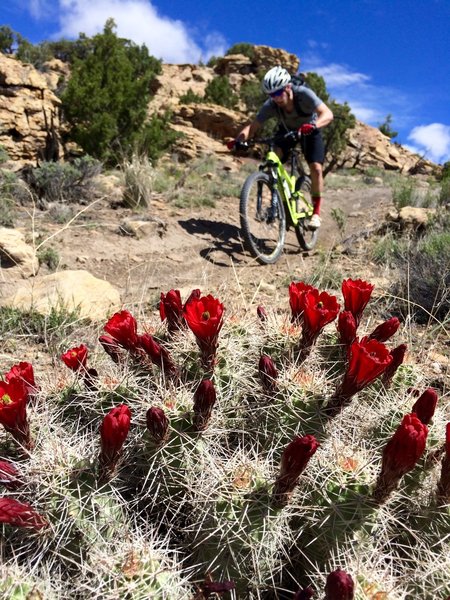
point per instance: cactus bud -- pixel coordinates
(157, 424)
(204, 400)
(122, 326)
(385, 330)
(20, 514)
(425, 406)
(339, 586)
(295, 457)
(267, 373)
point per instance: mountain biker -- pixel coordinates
(314, 114)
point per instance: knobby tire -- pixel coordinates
(264, 233)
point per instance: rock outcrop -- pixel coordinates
(30, 126)
(29, 114)
(80, 291)
(368, 147)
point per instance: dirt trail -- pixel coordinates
(199, 248)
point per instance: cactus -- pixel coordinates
(202, 491)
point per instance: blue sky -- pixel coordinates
(382, 57)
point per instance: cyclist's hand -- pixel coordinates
(307, 129)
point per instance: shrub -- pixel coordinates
(242, 48)
(190, 97)
(138, 176)
(157, 137)
(64, 182)
(219, 91)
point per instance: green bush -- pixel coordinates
(219, 91)
(252, 95)
(106, 98)
(157, 137)
(64, 182)
(242, 48)
(190, 97)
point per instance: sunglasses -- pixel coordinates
(277, 94)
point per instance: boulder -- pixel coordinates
(94, 298)
(17, 258)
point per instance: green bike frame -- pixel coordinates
(286, 188)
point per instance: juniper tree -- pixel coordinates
(106, 98)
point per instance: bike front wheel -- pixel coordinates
(307, 238)
(263, 219)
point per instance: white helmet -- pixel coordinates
(275, 79)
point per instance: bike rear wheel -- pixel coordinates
(263, 222)
(307, 238)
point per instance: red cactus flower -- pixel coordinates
(398, 356)
(157, 424)
(267, 373)
(111, 347)
(296, 299)
(20, 514)
(113, 433)
(171, 308)
(76, 358)
(346, 327)
(204, 400)
(24, 371)
(9, 475)
(356, 296)
(262, 313)
(443, 489)
(158, 355)
(339, 586)
(385, 330)
(367, 360)
(320, 309)
(401, 454)
(425, 405)
(13, 410)
(122, 326)
(295, 457)
(205, 319)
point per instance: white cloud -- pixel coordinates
(434, 141)
(139, 21)
(370, 103)
(340, 76)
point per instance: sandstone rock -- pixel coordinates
(368, 147)
(28, 113)
(175, 81)
(413, 216)
(217, 121)
(234, 63)
(96, 299)
(266, 57)
(140, 228)
(16, 256)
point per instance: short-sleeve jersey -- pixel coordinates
(306, 100)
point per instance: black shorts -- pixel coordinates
(312, 146)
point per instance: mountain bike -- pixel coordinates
(272, 200)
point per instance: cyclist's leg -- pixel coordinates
(284, 146)
(314, 152)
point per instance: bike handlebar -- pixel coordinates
(272, 140)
